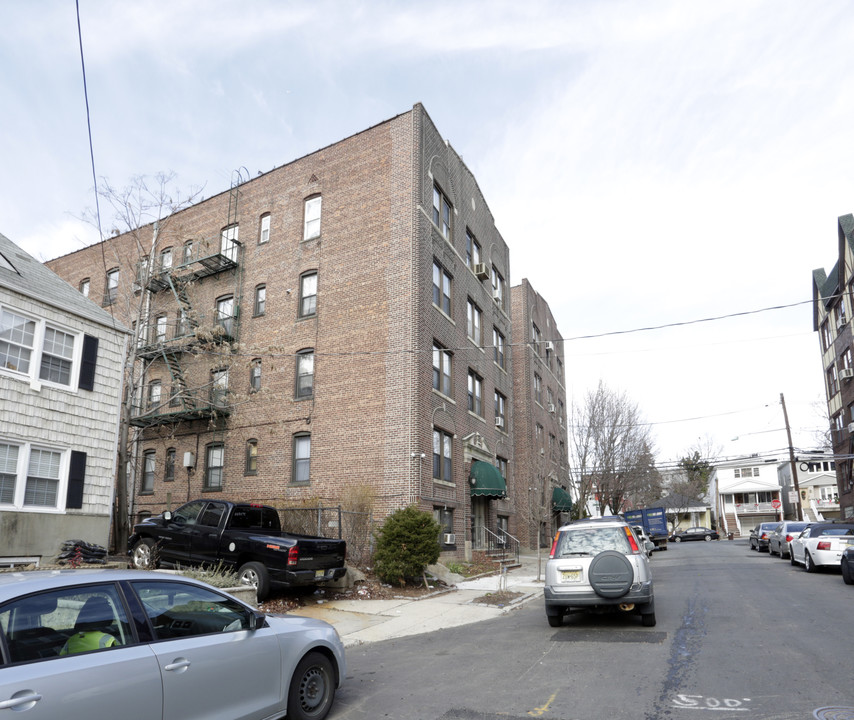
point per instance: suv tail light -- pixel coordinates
(631, 536)
(554, 546)
(823, 545)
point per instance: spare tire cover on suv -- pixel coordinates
(611, 574)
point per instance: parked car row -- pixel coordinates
(813, 545)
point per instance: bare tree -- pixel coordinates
(141, 212)
(613, 452)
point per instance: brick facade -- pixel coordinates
(373, 409)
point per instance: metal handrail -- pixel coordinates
(501, 546)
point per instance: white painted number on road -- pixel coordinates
(699, 702)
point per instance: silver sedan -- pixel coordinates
(79, 644)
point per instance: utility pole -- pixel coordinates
(792, 458)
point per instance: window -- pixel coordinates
(187, 256)
(17, 339)
(219, 388)
(169, 466)
(538, 389)
(166, 260)
(57, 356)
(826, 339)
(498, 348)
(832, 380)
(84, 287)
(112, 285)
(182, 326)
(41, 485)
(214, 462)
(501, 464)
(260, 300)
(472, 250)
(441, 370)
(441, 212)
(229, 243)
(560, 411)
(308, 294)
(497, 287)
(559, 368)
(500, 410)
(746, 472)
(63, 622)
(475, 393)
(551, 396)
(255, 375)
(305, 374)
(442, 456)
(538, 429)
(552, 443)
(445, 517)
(312, 218)
(251, 457)
(148, 469)
(846, 358)
(441, 288)
(535, 338)
(264, 234)
(160, 329)
(474, 322)
(155, 390)
(839, 311)
(302, 458)
(225, 315)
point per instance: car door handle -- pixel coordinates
(178, 665)
(15, 702)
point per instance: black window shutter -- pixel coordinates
(88, 363)
(76, 476)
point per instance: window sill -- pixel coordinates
(443, 313)
(444, 483)
(442, 395)
(211, 489)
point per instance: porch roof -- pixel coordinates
(487, 480)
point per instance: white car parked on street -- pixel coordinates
(821, 545)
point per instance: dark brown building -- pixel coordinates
(833, 299)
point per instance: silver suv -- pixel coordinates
(598, 565)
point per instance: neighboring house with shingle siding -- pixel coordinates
(61, 359)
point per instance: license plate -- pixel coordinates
(570, 575)
(318, 574)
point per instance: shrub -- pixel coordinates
(407, 543)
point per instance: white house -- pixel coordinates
(744, 492)
(818, 487)
(61, 359)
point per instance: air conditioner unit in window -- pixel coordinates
(499, 422)
(481, 271)
(840, 322)
(551, 407)
(851, 427)
(846, 373)
(550, 346)
(496, 296)
(449, 539)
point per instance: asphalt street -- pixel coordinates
(739, 634)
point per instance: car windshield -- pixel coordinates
(592, 541)
(838, 531)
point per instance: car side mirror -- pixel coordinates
(167, 516)
(256, 620)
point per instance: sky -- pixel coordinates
(649, 164)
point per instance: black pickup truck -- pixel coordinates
(242, 537)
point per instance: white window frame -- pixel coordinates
(264, 235)
(37, 352)
(312, 217)
(22, 465)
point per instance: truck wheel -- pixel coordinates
(312, 688)
(143, 557)
(254, 573)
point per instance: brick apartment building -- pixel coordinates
(833, 300)
(540, 434)
(336, 327)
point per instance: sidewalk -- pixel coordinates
(366, 621)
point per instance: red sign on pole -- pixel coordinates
(775, 503)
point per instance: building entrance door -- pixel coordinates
(478, 529)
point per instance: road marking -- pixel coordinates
(536, 712)
(701, 702)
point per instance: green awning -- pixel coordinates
(561, 501)
(487, 480)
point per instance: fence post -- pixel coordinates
(339, 522)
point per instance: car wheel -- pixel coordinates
(648, 619)
(708, 538)
(143, 557)
(677, 539)
(312, 688)
(254, 573)
(555, 620)
(809, 565)
(788, 552)
(847, 578)
(792, 558)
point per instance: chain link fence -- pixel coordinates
(356, 528)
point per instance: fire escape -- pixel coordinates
(170, 343)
